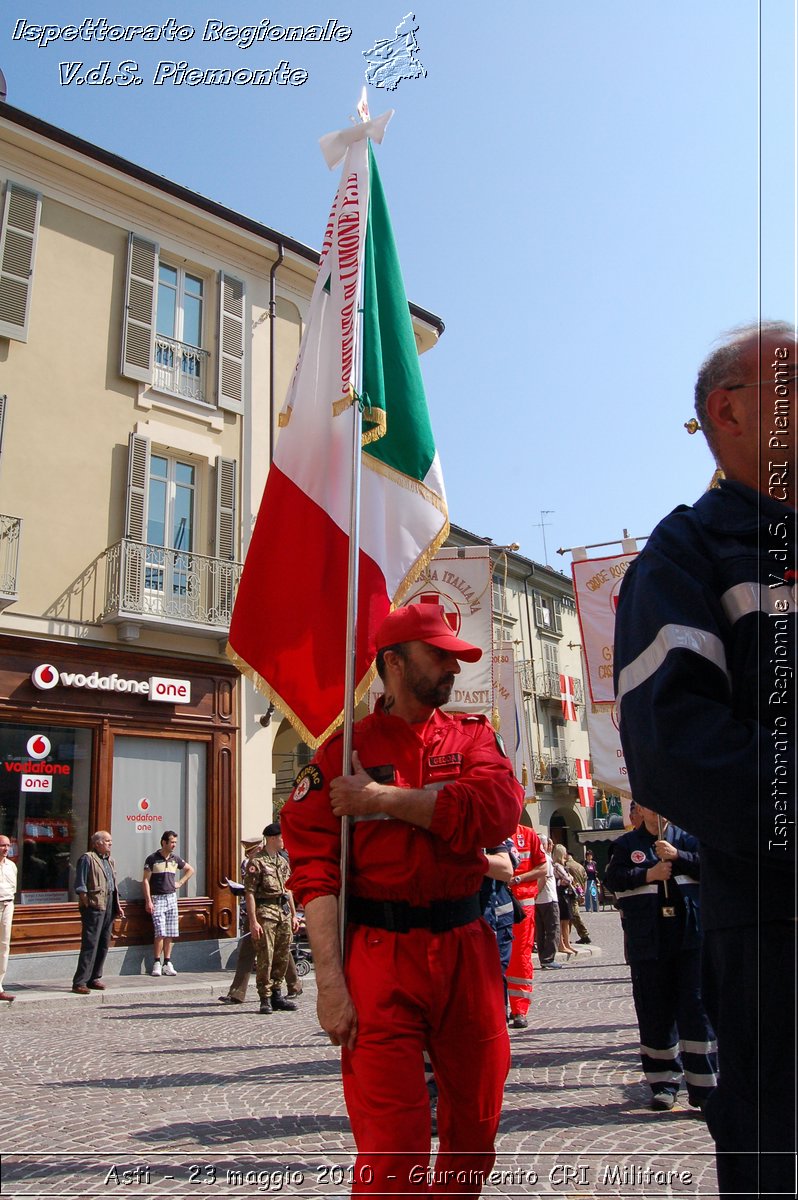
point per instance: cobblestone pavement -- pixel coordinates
(155, 1089)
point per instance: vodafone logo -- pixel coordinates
(45, 677)
(38, 746)
(144, 804)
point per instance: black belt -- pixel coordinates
(398, 916)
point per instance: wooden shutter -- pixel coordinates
(225, 508)
(138, 322)
(134, 556)
(18, 238)
(224, 573)
(230, 387)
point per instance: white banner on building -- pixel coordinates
(596, 585)
(606, 755)
(512, 720)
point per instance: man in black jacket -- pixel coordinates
(655, 880)
(705, 670)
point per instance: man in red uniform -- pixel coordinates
(524, 884)
(422, 970)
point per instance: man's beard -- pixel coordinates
(433, 695)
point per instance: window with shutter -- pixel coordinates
(138, 325)
(231, 343)
(18, 238)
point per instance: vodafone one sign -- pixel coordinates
(160, 688)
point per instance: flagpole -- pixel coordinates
(353, 575)
(353, 582)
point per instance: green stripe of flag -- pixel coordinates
(391, 373)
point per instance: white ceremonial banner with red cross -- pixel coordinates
(460, 581)
(596, 585)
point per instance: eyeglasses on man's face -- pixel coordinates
(785, 383)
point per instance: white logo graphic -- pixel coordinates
(45, 677)
(38, 746)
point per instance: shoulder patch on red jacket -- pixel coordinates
(309, 779)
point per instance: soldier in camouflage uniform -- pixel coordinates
(269, 916)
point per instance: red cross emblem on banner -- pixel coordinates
(451, 614)
(567, 697)
(584, 782)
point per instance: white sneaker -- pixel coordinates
(156, 968)
(168, 969)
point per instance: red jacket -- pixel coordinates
(530, 855)
(478, 804)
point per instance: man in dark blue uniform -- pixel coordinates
(705, 671)
(655, 880)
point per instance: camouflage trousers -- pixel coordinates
(272, 950)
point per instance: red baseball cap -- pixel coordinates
(424, 623)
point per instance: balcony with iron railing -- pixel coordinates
(554, 770)
(10, 538)
(180, 369)
(547, 685)
(172, 589)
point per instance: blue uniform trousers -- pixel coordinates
(676, 1037)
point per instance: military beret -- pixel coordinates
(272, 830)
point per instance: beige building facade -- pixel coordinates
(147, 338)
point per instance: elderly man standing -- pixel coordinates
(422, 971)
(8, 890)
(98, 900)
(705, 661)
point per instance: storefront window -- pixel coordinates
(159, 784)
(45, 784)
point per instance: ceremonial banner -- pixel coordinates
(288, 630)
(606, 755)
(596, 584)
(512, 722)
(460, 581)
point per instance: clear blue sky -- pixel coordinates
(575, 189)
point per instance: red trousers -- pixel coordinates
(421, 991)
(520, 970)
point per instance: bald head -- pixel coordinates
(745, 402)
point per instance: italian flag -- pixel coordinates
(288, 630)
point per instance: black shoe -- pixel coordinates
(663, 1101)
(266, 1005)
(583, 941)
(230, 1000)
(280, 1004)
(519, 1022)
(552, 966)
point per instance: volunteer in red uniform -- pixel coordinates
(524, 885)
(422, 970)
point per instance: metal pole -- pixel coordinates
(351, 640)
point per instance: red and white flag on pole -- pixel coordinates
(567, 697)
(584, 782)
(288, 630)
